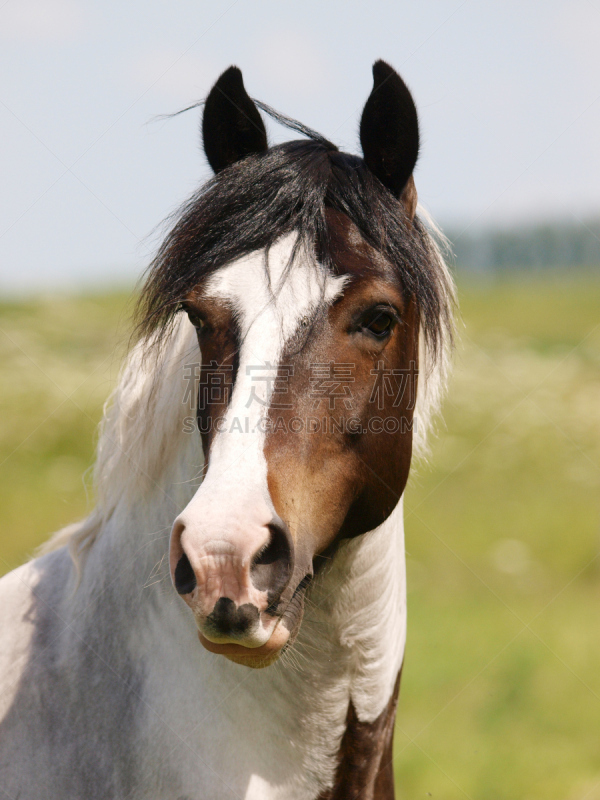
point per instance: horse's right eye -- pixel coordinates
(194, 317)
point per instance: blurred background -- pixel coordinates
(501, 686)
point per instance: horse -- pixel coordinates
(230, 620)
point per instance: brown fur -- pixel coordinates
(336, 484)
(365, 768)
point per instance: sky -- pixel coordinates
(508, 96)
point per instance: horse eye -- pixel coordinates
(378, 323)
(195, 318)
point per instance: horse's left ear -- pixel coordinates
(232, 127)
(389, 134)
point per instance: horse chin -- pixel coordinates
(253, 657)
(255, 662)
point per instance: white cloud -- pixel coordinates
(41, 20)
(184, 78)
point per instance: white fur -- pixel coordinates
(16, 639)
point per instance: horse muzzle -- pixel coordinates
(233, 569)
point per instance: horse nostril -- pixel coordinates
(184, 578)
(226, 618)
(272, 565)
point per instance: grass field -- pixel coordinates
(501, 686)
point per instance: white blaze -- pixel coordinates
(227, 518)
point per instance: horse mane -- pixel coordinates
(289, 188)
(146, 456)
(143, 448)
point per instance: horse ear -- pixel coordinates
(389, 130)
(232, 127)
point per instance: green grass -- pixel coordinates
(501, 685)
(501, 688)
(59, 358)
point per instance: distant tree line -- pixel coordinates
(534, 247)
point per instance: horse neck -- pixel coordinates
(354, 627)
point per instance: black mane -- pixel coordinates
(252, 203)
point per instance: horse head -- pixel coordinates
(312, 286)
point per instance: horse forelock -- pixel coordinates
(291, 187)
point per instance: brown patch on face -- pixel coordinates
(217, 336)
(365, 768)
(352, 399)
